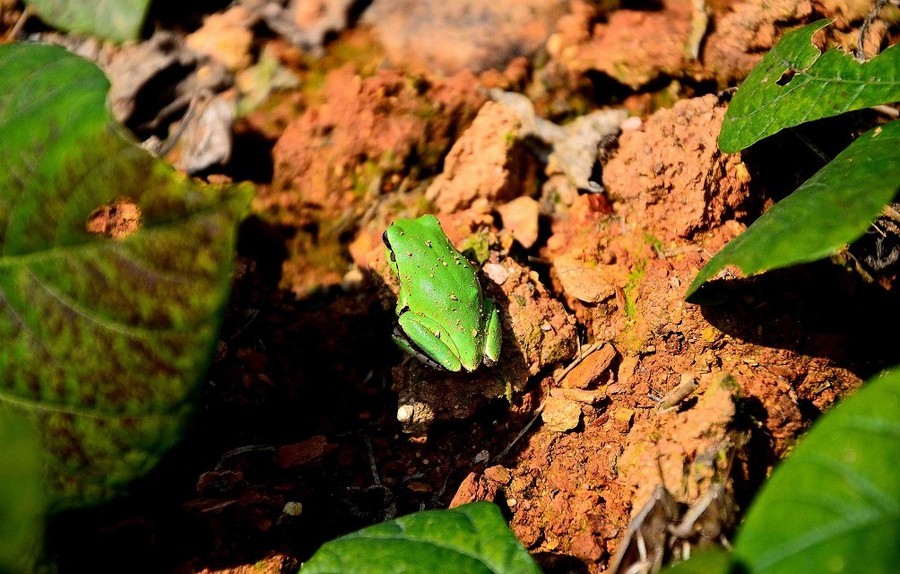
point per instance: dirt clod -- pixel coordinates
(671, 171)
(485, 165)
(561, 414)
(117, 220)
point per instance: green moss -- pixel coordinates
(631, 289)
(637, 274)
(364, 175)
(477, 247)
(391, 161)
(666, 97)
(653, 242)
(356, 47)
(630, 338)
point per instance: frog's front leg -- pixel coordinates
(426, 340)
(493, 336)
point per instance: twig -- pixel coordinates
(522, 432)
(13, 33)
(860, 52)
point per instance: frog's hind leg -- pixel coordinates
(493, 336)
(426, 341)
(401, 340)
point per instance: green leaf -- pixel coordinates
(834, 504)
(22, 496)
(831, 209)
(117, 20)
(468, 539)
(102, 341)
(823, 85)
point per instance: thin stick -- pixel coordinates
(522, 432)
(14, 32)
(860, 52)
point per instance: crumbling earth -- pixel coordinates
(610, 384)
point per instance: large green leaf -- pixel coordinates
(823, 85)
(117, 20)
(834, 504)
(102, 341)
(469, 539)
(22, 496)
(831, 209)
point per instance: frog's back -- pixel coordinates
(438, 269)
